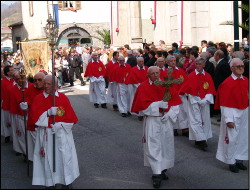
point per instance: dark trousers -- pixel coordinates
(72, 71)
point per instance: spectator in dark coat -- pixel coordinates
(152, 59)
(222, 70)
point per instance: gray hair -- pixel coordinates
(204, 54)
(159, 59)
(234, 61)
(200, 59)
(138, 58)
(129, 52)
(153, 68)
(220, 54)
(50, 77)
(211, 50)
(41, 74)
(239, 54)
(169, 57)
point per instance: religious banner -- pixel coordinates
(36, 55)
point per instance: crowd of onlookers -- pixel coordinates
(185, 57)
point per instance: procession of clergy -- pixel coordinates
(163, 98)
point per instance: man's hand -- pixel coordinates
(52, 111)
(230, 124)
(162, 104)
(202, 102)
(23, 106)
(55, 127)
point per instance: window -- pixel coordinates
(69, 5)
(85, 41)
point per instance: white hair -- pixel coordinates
(153, 68)
(169, 57)
(239, 54)
(234, 61)
(138, 58)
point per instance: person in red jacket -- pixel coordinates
(34, 90)
(96, 72)
(233, 100)
(42, 112)
(200, 90)
(6, 82)
(119, 75)
(112, 85)
(136, 76)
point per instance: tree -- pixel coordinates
(245, 25)
(105, 36)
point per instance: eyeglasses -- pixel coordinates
(121, 60)
(239, 66)
(38, 80)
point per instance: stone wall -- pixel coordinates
(91, 28)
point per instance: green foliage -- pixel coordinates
(104, 36)
(244, 26)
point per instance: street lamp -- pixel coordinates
(51, 31)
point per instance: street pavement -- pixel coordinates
(110, 155)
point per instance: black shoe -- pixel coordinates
(83, 84)
(104, 105)
(156, 181)
(129, 114)
(164, 175)
(18, 153)
(115, 107)
(124, 115)
(233, 168)
(202, 145)
(175, 132)
(67, 186)
(7, 139)
(218, 120)
(140, 118)
(96, 105)
(186, 134)
(71, 85)
(241, 166)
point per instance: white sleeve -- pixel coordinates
(173, 112)
(152, 110)
(227, 113)
(209, 98)
(43, 120)
(193, 99)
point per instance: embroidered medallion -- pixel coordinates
(42, 152)
(205, 85)
(100, 69)
(60, 111)
(126, 74)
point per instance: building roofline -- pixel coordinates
(16, 24)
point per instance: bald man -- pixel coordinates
(96, 71)
(67, 169)
(159, 118)
(136, 76)
(233, 100)
(119, 75)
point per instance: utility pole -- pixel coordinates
(236, 26)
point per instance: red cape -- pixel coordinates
(178, 73)
(147, 94)
(95, 69)
(120, 73)
(33, 92)
(16, 97)
(137, 76)
(233, 94)
(42, 104)
(109, 68)
(5, 83)
(198, 85)
(163, 73)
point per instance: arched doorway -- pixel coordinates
(72, 35)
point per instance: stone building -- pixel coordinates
(188, 22)
(78, 21)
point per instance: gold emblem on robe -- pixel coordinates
(100, 69)
(60, 111)
(205, 85)
(126, 74)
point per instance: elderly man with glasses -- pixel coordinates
(233, 100)
(34, 90)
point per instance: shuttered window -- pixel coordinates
(69, 5)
